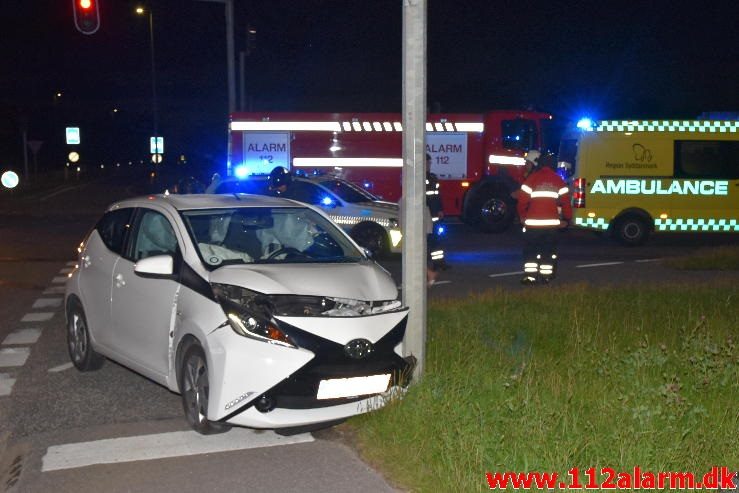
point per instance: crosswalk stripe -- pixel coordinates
(14, 356)
(37, 317)
(161, 446)
(22, 336)
(6, 384)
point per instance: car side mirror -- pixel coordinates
(156, 266)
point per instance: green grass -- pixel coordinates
(550, 379)
(719, 258)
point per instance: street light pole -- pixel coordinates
(154, 109)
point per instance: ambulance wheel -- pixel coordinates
(631, 230)
(371, 236)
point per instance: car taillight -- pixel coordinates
(578, 195)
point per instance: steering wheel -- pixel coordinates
(285, 251)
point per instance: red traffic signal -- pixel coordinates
(86, 16)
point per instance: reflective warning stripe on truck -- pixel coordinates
(674, 224)
(712, 126)
(353, 126)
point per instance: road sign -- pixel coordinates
(156, 145)
(73, 135)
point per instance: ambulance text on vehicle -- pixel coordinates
(633, 178)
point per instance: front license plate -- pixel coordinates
(351, 387)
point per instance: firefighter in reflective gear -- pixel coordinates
(279, 180)
(433, 202)
(544, 208)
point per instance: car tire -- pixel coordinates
(80, 349)
(194, 389)
(631, 230)
(373, 237)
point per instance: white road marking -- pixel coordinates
(6, 384)
(504, 274)
(649, 260)
(22, 336)
(603, 264)
(14, 356)
(60, 280)
(66, 270)
(37, 317)
(436, 283)
(47, 303)
(55, 290)
(65, 366)
(160, 446)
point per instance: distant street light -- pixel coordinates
(155, 113)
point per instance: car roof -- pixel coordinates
(206, 201)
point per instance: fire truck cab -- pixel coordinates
(478, 157)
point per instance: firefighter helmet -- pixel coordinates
(278, 177)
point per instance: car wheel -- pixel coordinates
(373, 237)
(80, 349)
(631, 230)
(194, 387)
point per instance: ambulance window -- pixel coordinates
(706, 159)
(519, 134)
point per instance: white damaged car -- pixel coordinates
(259, 311)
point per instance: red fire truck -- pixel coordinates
(477, 157)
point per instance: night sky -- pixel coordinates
(640, 59)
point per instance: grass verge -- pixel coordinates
(550, 379)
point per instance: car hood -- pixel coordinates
(388, 209)
(361, 281)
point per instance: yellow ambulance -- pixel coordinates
(633, 178)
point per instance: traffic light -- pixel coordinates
(86, 15)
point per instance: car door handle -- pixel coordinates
(119, 282)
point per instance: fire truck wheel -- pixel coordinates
(371, 236)
(495, 213)
(631, 230)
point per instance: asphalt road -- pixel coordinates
(132, 432)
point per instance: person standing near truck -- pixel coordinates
(543, 208)
(433, 203)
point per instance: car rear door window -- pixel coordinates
(113, 227)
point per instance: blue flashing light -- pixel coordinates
(241, 172)
(327, 201)
(585, 124)
(367, 185)
(440, 230)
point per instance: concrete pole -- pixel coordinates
(414, 175)
(230, 53)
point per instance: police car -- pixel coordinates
(371, 222)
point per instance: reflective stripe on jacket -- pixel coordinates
(540, 199)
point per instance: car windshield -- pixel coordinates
(267, 235)
(348, 192)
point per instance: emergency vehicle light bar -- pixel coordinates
(353, 126)
(348, 162)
